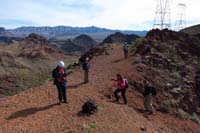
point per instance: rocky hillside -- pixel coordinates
(27, 63)
(119, 38)
(192, 30)
(171, 61)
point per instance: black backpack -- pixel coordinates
(154, 91)
(89, 107)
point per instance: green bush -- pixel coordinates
(90, 127)
(165, 107)
(136, 44)
(182, 114)
(195, 118)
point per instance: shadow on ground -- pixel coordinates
(75, 86)
(118, 60)
(29, 111)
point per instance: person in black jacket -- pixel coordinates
(149, 93)
(59, 75)
(86, 67)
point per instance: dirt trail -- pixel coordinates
(35, 110)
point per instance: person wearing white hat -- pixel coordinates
(86, 67)
(59, 75)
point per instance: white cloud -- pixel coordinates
(115, 14)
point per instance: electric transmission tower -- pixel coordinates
(181, 17)
(162, 15)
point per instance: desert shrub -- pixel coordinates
(165, 107)
(136, 44)
(90, 127)
(195, 118)
(182, 114)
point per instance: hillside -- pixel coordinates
(40, 113)
(172, 64)
(27, 63)
(192, 30)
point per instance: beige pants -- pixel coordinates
(148, 103)
(86, 76)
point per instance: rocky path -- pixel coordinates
(36, 110)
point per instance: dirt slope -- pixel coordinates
(35, 110)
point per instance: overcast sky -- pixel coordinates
(113, 14)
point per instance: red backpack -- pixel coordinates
(61, 75)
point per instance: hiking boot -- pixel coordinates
(65, 102)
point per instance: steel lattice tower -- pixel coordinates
(162, 15)
(181, 17)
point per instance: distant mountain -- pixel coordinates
(50, 32)
(119, 37)
(70, 46)
(192, 30)
(82, 43)
(85, 41)
(2, 29)
(8, 40)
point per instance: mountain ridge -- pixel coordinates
(49, 32)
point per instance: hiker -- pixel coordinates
(149, 93)
(125, 49)
(122, 86)
(59, 75)
(86, 67)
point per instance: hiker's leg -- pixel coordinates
(151, 103)
(85, 76)
(64, 92)
(59, 89)
(149, 108)
(126, 54)
(124, 95)
(145, 103)
(116, 94)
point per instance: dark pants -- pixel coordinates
(125, 54)
(86, 76)
(61, 88)
(123, 92)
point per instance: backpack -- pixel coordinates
(154, 91)
(127, 84)
(125, 47)
(89, 107)
(59, 75)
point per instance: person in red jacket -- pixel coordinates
(59, 74)
(121, 88)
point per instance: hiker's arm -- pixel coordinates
(114, 79)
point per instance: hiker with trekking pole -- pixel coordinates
(122, 86)
(59, 75)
